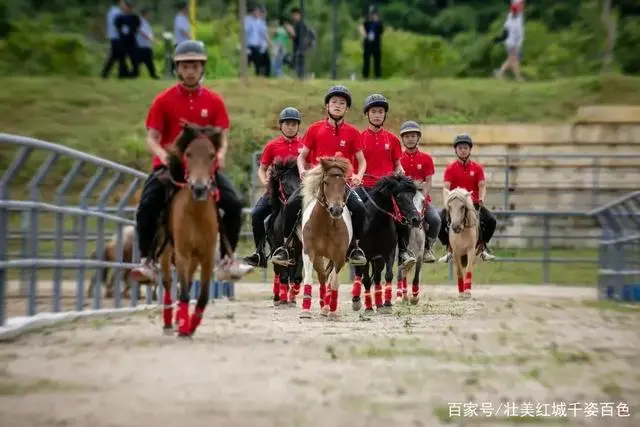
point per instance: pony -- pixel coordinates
(463, 235)
(325, 231)
(388, 203)
(192, 222)
(284, 180)
(417, 239)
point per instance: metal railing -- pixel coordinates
(619, 255)
(92, 194)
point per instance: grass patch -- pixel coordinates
(612, 306)
(14, 387)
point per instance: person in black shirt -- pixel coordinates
(127, 25)
(371, 31)
(302, 37)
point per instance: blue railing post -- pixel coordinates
(546, 247)
(507, 170)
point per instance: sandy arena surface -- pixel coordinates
(510, 350)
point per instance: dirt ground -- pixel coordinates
(515, 352)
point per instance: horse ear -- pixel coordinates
(446, 193)
(214, 135)
(188, 134)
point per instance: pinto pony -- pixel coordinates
(417, 239)
(284, 180)
(192, 222)
(463, 234)
(326, 230)
(388, 203)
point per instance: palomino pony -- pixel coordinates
(463, 234)
(284, 180)
(417, 239)
(326, 229)
(388, 203)
(192, 222)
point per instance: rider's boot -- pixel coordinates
(447, 256)
(281, 256)
(145, 272)
(485, 254)
(257, 259)
(356, 255)
(405, 259)
(428, 255)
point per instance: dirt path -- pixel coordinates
(253, 365)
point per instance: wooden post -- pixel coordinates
(242, 12)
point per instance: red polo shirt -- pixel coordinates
(201, 106)
(418, 165)
(280, 148)
(466, 176)
(324, 139)
(381, 150)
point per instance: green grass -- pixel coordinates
(106, 118)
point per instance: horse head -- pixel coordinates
(193, 157)
(460, 210)
(396, 194)
(419, 201)
(328, 183)
(284, 179)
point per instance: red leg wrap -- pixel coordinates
(399, 288)
(167, 311)
(388, 292)
(284, 292)
(295, 290)
(276, 284)
(323, 293)
(333, 304)
(183, 318)
(415, 289)
(196, 318)
(378, 294)
(356, 290)
(306, 297)
(460, 284)
(367, 300)
(467, 281)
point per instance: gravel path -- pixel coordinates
(254, 365)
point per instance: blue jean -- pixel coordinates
(278, 61)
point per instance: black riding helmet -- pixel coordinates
(338, 90)
(410, 126)
(462, 138)
(190, 50)
(375, 100)
(290, 113)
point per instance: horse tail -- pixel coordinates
(328, 268)
(464, 260)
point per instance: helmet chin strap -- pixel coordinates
(290, 137)
(378, 127)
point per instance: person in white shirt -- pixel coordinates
(116, 52)
(513, 37)
(181, 27)
(144, 40)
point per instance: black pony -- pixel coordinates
(284, 180)
(388, 203)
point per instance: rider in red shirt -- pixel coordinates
(331, 136)
(419, 165)
(465, 173)
(186, 101)
(383, 151)
(284, 147)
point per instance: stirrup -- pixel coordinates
(283, 263)
(355, 262)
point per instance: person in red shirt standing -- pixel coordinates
(383, 151)
(284, 147)
(190, 102)
(465, 173)
(419, 165)
(331, 136)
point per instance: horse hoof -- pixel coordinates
(168, 330)
(399, 300)
(369, 311)
(414, 300)
(333, 315)
(356, 305)
(305, 314)
(184, 335)
(385, 309)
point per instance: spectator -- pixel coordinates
(371, 32)
(127, 25)
(181, 27)
(144, 39)
(280, 42)
(303, 39)
(257, 36)
(266, 43)
(115, 51)
(513, 37)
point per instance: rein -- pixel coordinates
(396, 215)
(466, 213)
(214, 193)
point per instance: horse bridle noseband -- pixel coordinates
(466, 213)
(322, 199)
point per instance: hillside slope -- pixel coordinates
(106, 118)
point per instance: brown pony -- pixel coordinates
(326, 230)
(463, 235)
(192, 222)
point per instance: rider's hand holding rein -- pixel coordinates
(356, 180)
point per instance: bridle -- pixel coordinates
(214, 190)
(322, 199)
(396, 215)
(465, 210)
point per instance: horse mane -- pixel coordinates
(190, 132)
(279, 169)
(394, 184)
(313, 180)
